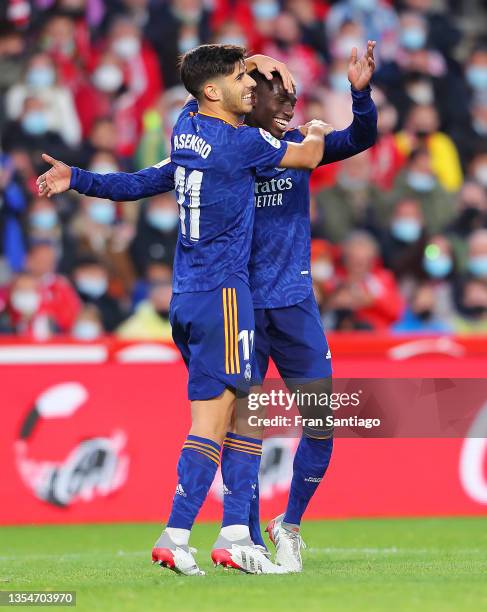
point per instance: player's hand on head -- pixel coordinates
(360, 70)
(267, 65)
(56, 180)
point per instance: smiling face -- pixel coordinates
(274, 107)
(237, 90)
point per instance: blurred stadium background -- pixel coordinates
(92, 390)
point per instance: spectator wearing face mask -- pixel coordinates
(40, 80)
(175, 27)
(230, 32)
(44, 225)
(99, 231)
(420, 317)
(350, 34)
(418, 181)
(471, 215)
(138, 58)
(88, 326)
(476, 71)
(472, 307)
(403, 243)
(477, 169)
(67, 45)
(323, 260)
(336, 96)
(346, 205)
(440, 273)
(477, 254)
(91, 281)
(442, 32)
(59, 299)
(126, 82)
(156, 272)
(26, 315)
(365, 290)
(422, 130)
(151, 318)
(157, 232)
(30, 132)
(378, 20)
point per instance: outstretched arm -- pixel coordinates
(117, 186)
(362, 132)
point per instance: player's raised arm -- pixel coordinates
(117, 186)
(309, 153)
(362, 132)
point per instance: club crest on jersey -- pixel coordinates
(268, 137)
(248, 372)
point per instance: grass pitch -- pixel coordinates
(378, 565)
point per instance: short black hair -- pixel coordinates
(261, 78)
(206, 62)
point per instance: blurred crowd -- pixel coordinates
(399, 232)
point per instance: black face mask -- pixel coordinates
(469, 219)
(474, 312)
(422, 133)
(425, 314)
(283, 45)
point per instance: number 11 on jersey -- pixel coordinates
(189, 186)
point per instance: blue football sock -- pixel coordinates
(240, 472)
(254, 523)
(197, 466)
(309, 467)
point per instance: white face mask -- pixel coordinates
(481, 175)
(421, 93)
(344, 45)
(86, 330)
(126, 47)
(103, 168)
(108, 78)
(321, 270)
(25, 301)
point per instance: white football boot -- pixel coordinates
(243, 555)
(179, 559)
(288, 545)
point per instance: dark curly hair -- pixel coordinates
(205, 62)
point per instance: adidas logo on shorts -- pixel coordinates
(328, 355)
(226, 491)
(180, 490)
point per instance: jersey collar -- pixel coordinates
(220, 118)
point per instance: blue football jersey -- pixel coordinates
(214, 173)
(280, 266)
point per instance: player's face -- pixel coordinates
(274, 107)
(238, 91)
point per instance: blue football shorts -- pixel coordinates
(295, 339)
(215, 333)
